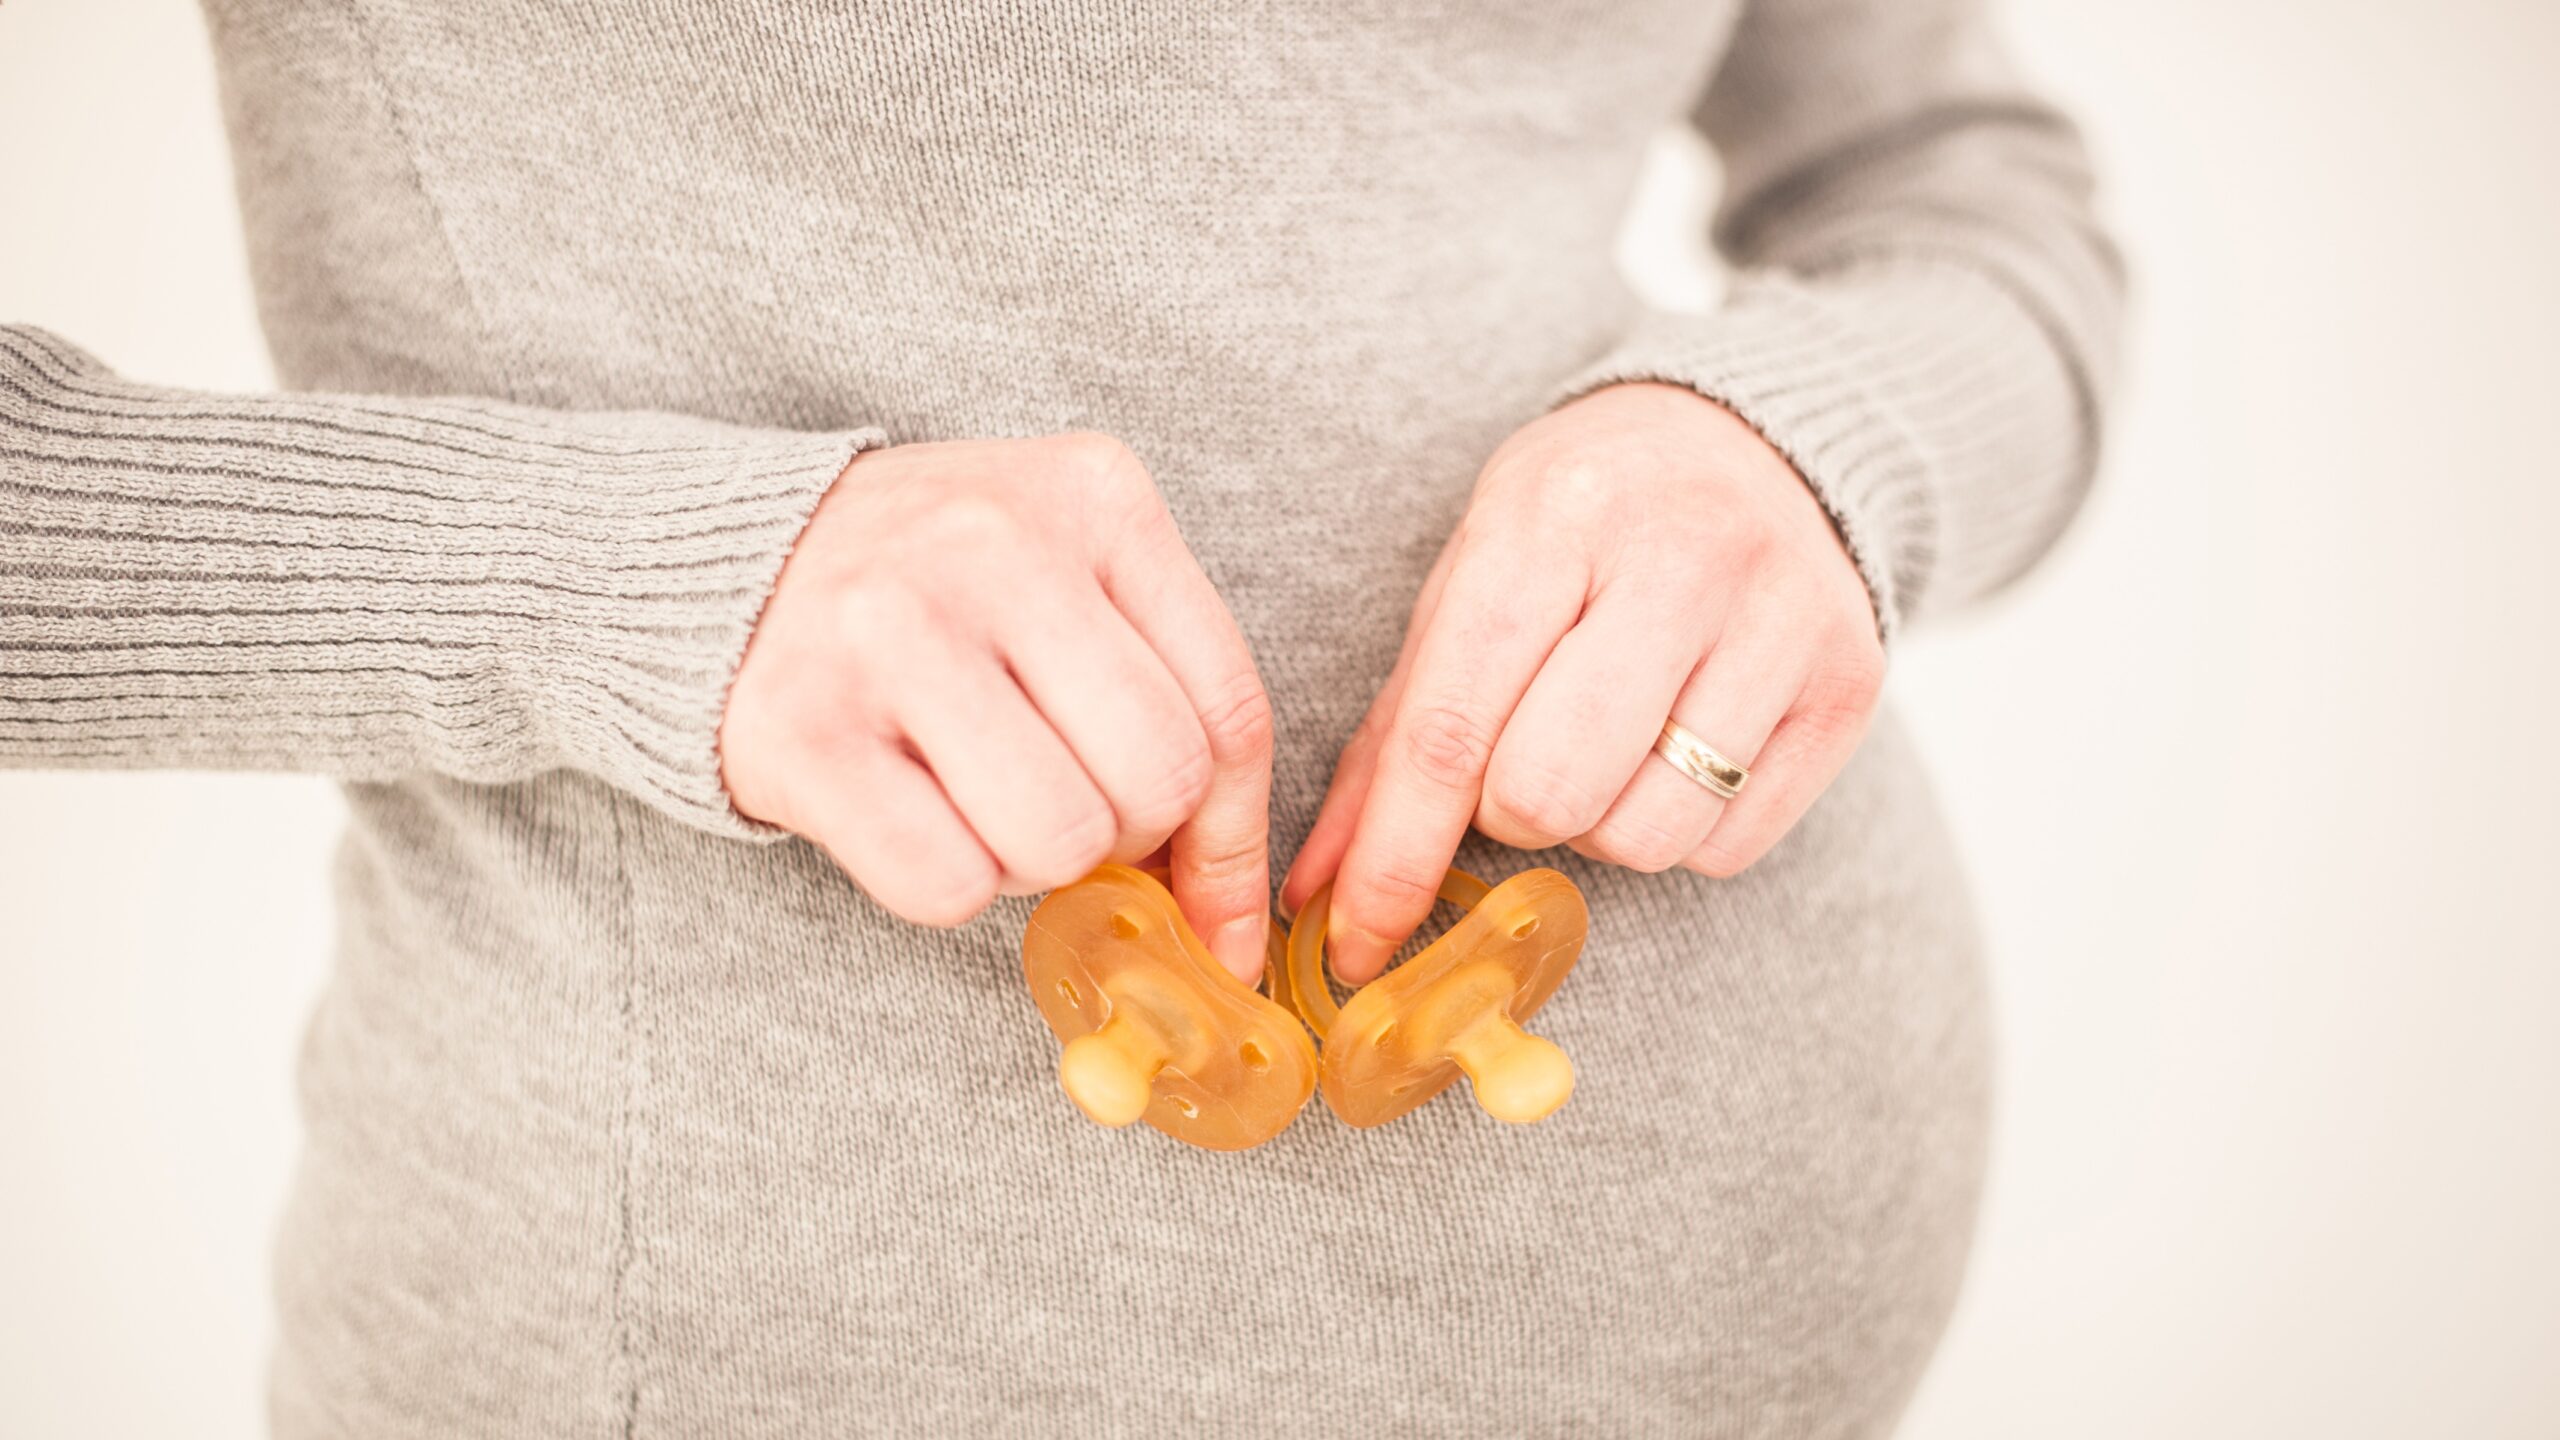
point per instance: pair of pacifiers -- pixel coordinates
(1157, 1030)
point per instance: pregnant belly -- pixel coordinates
(826, 1184)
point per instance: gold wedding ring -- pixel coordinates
(1699, 760)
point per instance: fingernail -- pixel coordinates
(1358, 956)
(1239, 946)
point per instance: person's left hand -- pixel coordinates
(1636, 554)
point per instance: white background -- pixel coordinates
(2255, 775)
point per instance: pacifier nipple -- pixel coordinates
(1111, 1073)
(1518, 1077)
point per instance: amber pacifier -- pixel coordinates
(1155, 1028)
(1456, 1008)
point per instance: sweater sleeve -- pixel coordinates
(375, 587)
(1923, 309)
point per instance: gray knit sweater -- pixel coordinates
(627, 1119)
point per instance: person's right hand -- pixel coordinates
(987, 667)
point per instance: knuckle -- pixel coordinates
(1751, 541)
(1575, 486)
(1404, 885)
(1221, 868)
(1237, 721)
(1134, 528)
(1539, 799)
(1836, 701)
(1390, 891)
(971, 523)
(812, 729)
(1829, 724)
(1855, 677)
(1177, 791)
(1720, 861)
(1103, 460)
(1575, 471)
(1643, 843)
(1447, 746)
(943, 900)
(1080, 844)
(1669, 572)
(868, 615)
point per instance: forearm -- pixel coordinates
(372, 587)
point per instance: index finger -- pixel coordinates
(1222, 854)
(1492, 630)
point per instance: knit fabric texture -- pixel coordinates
(627, 1117)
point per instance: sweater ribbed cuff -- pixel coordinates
(375, 587)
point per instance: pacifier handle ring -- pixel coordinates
(1310, 988)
